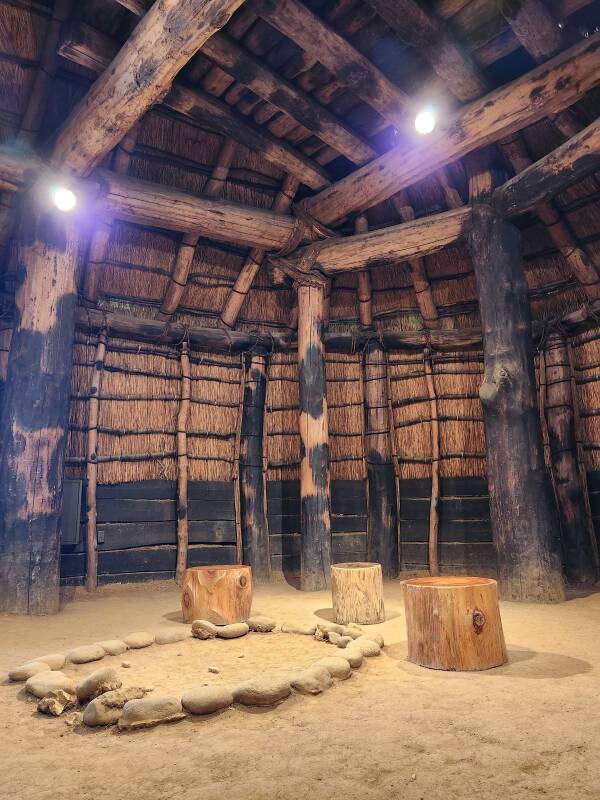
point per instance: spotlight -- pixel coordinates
(425, 120)
(63, 198)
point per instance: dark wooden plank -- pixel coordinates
(125, 510)
(210, 490)
(455, 554)
(460, 508)
(138, 490)
(595, 503)
(289, 544)
(347, 523)
(417, 530)
(123, 535)
(283, 523)
(464, 487)
(283, 505)
(414, 508)
(127, 577)
(289, 489)
(340, 557)
(211, 509)
(593, 480)
(289, 565)
(341, 491)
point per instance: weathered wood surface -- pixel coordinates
(560, 417)
(540, 92)
(454, 623)
(534, 27)
(357, 593)
(221, 594)
(524, 518)
(382, 541)
(183, 418)
(314, 438)
(324, 44)
(255, 533)
(35, 411)
(434, 502)
(91, 577)
(139, 75)
(86, 46)
(364, 293)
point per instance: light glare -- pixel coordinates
(425, 121)
(64, 199)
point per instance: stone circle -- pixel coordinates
(207, 699)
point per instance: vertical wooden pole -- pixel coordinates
(523, 513)
(382, 539)
(91, 541)
(577, 546)
(365, 293)
(254, 521)
(35, 411)
(434, 505)
(183, 417)
(314, 468)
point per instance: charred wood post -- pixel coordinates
(183, 418)
(35, 412)
(315, 517)
(523, 514)
(91, 572)
(255, 534)
(577, 546)
(382, 538)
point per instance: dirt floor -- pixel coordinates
(530, 729)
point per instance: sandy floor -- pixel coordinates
(527, 730)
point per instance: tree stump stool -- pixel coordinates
(218, 594)
(357, 593)
(454, 623)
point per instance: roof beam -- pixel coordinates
(83, 45)
(139, 75)
(542, 91)
(280, 93)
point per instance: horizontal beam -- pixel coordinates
(81, 44)
(542, 91)
(576, 158)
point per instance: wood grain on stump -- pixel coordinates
(221, 595)
(454, 623)
(357, 592)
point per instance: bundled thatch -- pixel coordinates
(282, 440)
(586, 366)
(345, 409)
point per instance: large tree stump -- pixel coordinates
(357, 593)
(454, 623)
(218, 594)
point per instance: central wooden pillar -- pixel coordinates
(314, 468)
(382, 541)
(523, 514)
(255, 534)
(35, 411)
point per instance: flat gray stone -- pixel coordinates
(107, 708)
(260, 624)
(56, 702)
(305, 630)
(54, 660)
(113, 647)
(171, 635)
(99, 682)
(203, 629)
(207, 699)
(25, 671)
(139, 639)
(337, 666)
(150, 711)
(264, 690)
(368, 647)
(353, 655)
(313, 680)
(45, 682)
(233, 631)
(86, 653)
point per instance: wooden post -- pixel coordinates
(35, 412)
(577, 546)
(315, 514)
(434, 504)
(182, 465)
(255, 535)
(91, 571)
(357, 593)
(523, 514)
(382, 538)
(365, 293)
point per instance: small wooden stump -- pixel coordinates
(357, 593)
(220, 595)
(454, 623)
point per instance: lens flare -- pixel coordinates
(425, 121)
(64, 199)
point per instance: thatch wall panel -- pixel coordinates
(282, 440)
(586, 362)
(345, 413)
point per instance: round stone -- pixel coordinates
(113, 647)
(264, 690)
(54, 660)
(86, 653)
(293, 627)
(337, 666)
(203, 629)
(45, 682)
(25, 671)
(367, 647)
(261, 624)
(56, 702)
(353, 631)
(139, 639)
(233, 631)
(150, 711)
(107, 708)
(171, 635)
(313, 680)
(325, 628)
(207, 699)
(100, 681)
(353, 655)
(375, 636)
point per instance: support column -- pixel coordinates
(382, 538)
(255, 533)
(576, 540)
(314, 468)
(91, 546)
(523, 514)
(183, 418)
(35, 413)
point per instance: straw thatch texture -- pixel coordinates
(345, 410)
(586, 362)
(282, 440)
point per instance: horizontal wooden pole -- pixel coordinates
(83, 45)
(544, 90)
